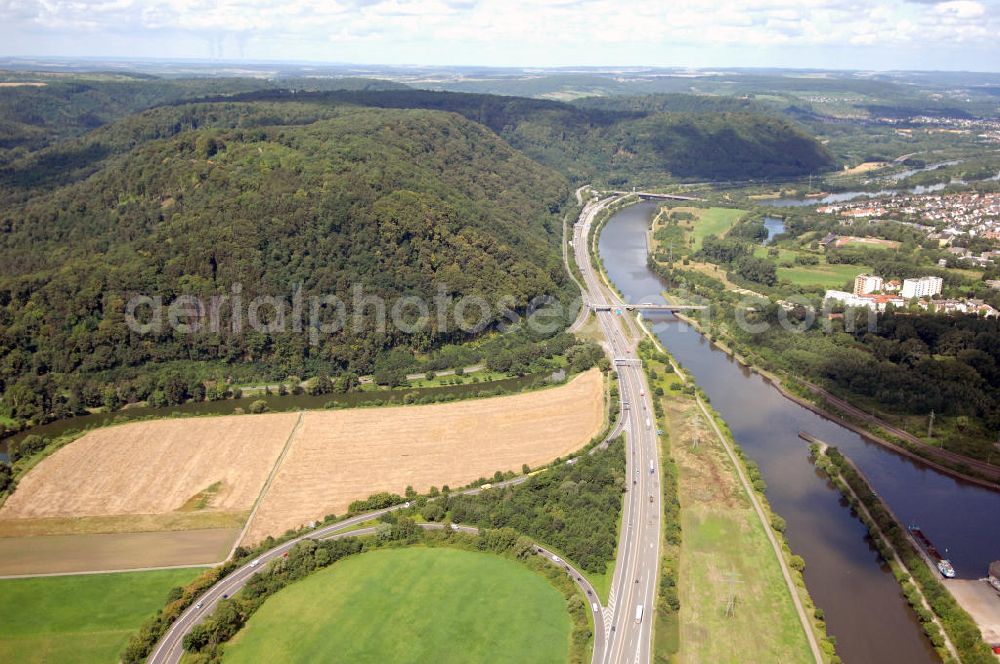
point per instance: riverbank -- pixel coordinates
(845, 419)
(724, 523)
(952, 630)
(861, 602)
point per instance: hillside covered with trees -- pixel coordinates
(238, 187)
(615, 145)
(215, 199)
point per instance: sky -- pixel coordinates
(836, 34)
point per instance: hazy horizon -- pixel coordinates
(888, 35)
(209, 62)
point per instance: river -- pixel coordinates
(864, 607)
(844, 196)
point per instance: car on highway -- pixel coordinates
(556, 559)
(255, 563)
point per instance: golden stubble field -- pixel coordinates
(154, 467)
(203, 475)
(341, 456)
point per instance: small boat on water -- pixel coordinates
(943, 564)
(947, 571)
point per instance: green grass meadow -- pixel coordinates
(411, 605)
(82, 618)
(725, 553)
(827, 276)
(714, 221)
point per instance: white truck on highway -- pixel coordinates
(638, 613)
(648, 423)
(652, 468)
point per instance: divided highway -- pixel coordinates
(632, 599)
(622, 629)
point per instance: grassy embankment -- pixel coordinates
(411, 605)
(719, 566)
(79, 619)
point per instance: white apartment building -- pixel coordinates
(922, 287)
(849, 299)
(867, 283)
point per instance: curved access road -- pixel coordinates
(171, 646)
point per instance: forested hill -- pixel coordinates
(265, 196)
(621, 140)
(401, 191)
(618, 145)
(60, 106)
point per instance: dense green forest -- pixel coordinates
(620, 140)
(199, 199)
(32, 117)
(674, 103)
(617, 146)
(572, 507)
(234, 187)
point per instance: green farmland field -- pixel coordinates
(411, 605)
(827, 276)
(81, 619)
(714, 221)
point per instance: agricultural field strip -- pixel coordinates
(420, 446)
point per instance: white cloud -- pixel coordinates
(962, 9)
(270, 27)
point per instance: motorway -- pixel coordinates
(619, 637)
(636, 577)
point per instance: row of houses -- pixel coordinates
(881, 301)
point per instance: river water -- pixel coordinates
(864, 607)
(844, 196)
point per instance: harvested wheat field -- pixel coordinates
(340, 456)
(65, 554)
(215, 464)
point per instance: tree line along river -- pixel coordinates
(863, 605)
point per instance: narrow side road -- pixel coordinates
(170, 648)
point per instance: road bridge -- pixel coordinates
(652, 195)
(645, 306)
